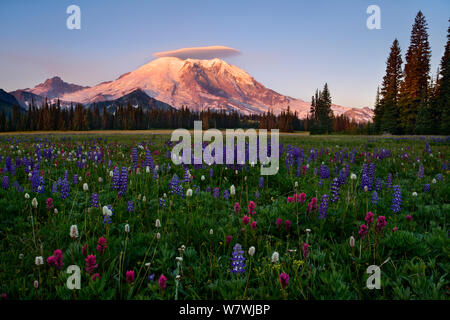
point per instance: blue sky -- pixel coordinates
(292, 47)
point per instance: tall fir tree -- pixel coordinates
(416, 75)
(443, 90)
(387, 112)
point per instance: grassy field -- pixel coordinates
(149, 229)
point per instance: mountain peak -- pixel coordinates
(54, 87)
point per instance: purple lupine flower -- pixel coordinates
(64, 190)
(123, 184)
(426, 187)
(107, 219)
(226, 194)
(389, 180)
(116, 178)
(237, 260)
(176, 187)
(211, 172)
(55, 187)
(439, 177)
(162, 202)
(374, 199)
(75, 179)
(257, 194)
(323, 207)
(378, 184)
(428, 148)
(35, 180)
(216, 192)
(397, 199)
(261, 182)
(421, 172)
(335, 190)
(324, 172)
(5, 182)
(134, 156)
(94, 200)
(186, 175)
(365, 178)
(130, 206)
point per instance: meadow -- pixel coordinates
(140, 227)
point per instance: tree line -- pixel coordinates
(410, 100)
(52, 116)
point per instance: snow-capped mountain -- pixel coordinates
(202, 84)
(54, 88)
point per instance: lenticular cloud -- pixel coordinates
(199, 52)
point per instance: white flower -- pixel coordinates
(27, 196)
(158, 236)
(296, 184)
(211, 231)
(148, 264)
(366, 188)
(308, 230)
(251, 251)
(111, 173)
(74, 231)
(127, 228)
(352, 241)
(414, 194)
(157, 223)
(275, 257)
(55, 211)
(232, 190)
(100, 179)
(156, 168)
(21, 256)
(34, 203)
(39, 260)
(433, 181)
(189, 193)
(144, 199)
(164, 195)
(353, 176)
(202, 178)
(85, 187)
(179, 259)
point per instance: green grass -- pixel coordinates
(414, 259)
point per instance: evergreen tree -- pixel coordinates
(390, 92)
(443, 91)
(416, 74)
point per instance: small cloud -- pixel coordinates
(199, 52)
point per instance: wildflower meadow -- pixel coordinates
(112, 217)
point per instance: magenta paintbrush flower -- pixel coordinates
(305, 250)
(130, 276)
(162, 282)
(284, 280)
